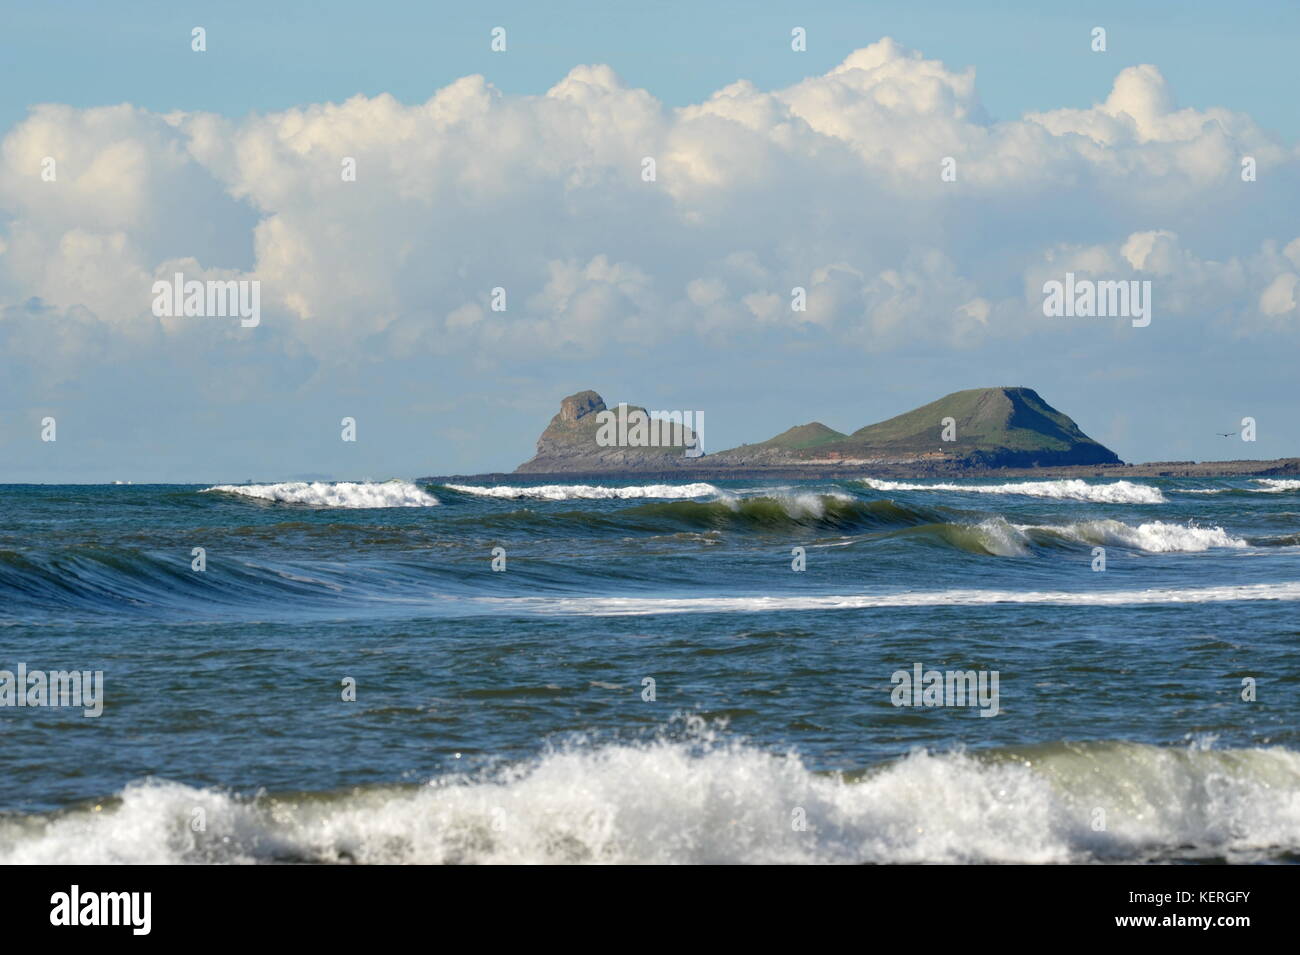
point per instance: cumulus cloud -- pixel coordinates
(1279, 297)
(832, 185)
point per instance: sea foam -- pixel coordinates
(572, 492)
(640, 606)
(1270, 486)
(1278, 485)
(1118, 492)
(691, 802)
(1154, 537)
(341, 494)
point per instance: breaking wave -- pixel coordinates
(998, 537)
(642, 606)
(836, 511)
(572, 492)
(1154, 537)
(138, 582)
(1270, 486)
(1118, 492)
(994, 537)
(707, 801)
(340, 494)
(665, 506)
(1278, 485)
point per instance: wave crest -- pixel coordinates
(1118, 492)
(339, 494)
(1153, 537)
(636, 606)
(777, 512)
(594, 492)
(1278, 485)
(676, 802)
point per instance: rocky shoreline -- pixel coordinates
(1280, 467)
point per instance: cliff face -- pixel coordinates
(967, 430)
(572, 442)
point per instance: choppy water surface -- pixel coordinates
(501, 715)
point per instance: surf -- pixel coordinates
(586, 492)
(1152, 537)
(335, 494)
(1117, 492)
(703, 797)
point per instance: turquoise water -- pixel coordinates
(505, 715)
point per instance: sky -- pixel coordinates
(921, 170)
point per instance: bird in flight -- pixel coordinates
(1222, 435)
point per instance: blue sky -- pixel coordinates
(273, 56)
(820, 170)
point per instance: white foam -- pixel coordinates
(341, 494)
(1277, 485)
(1002, 538)
(570, 492)
(994, 536)
(683, 802)
(641, 606)
(1271, 486)
(1118, 492)
(1154, 537)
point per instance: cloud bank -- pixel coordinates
(832, 185)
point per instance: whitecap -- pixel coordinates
(340, 494)
(1117, 492)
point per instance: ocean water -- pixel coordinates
(507, 715)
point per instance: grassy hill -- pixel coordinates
(992, 427)
(987, 420)
(811, 435)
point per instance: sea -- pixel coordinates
(849, 671)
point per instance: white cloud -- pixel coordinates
(1279, 297)
(831, 184)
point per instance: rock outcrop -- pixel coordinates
(975, 430)
(573, 441)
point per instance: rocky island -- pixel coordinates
(1005, 431)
